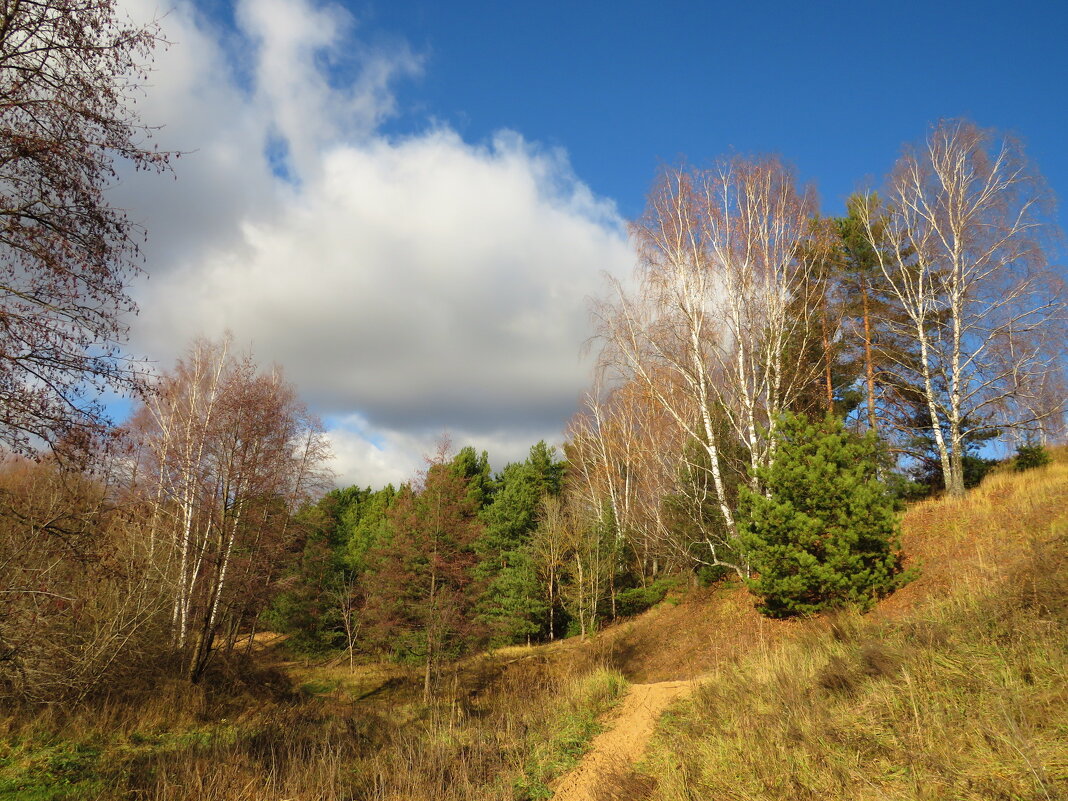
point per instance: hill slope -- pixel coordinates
(955, 687)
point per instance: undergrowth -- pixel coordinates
(504, 734)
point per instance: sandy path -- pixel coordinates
(624, 742)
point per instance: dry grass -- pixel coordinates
(623, 783)
(953, 688)
(956, 688)
(501, 729)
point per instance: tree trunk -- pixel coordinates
(955, 480)
(932, 407)
(828, 383)
(426, 677)
(869, 362)
(552, 608)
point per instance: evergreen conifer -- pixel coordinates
(824, 534)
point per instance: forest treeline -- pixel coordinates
(768, 385)
(918, 327)
(926, 318)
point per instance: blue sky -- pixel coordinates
(836, 88)
(407, 204)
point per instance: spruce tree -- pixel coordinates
(825, 533)
(513, 604)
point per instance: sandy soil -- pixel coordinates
(624, 742)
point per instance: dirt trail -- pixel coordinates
(624, 742)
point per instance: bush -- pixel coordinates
(1029, 457)
(707, 575)
(636, 600)
(825, 534)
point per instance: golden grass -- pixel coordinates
(499, 729)
(955, 688)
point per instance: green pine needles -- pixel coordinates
(1029, 456)
(825, 534)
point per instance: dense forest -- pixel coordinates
(772, 386)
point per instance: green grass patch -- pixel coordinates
(47, 766)
(568, 732)
(50, 771)
(320, 686)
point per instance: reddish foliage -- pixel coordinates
(68, 70)
(421, 592)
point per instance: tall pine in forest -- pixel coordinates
(861, 282)
(514, 604)
(877, 337)
(825, 533)
(474, 468)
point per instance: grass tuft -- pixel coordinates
(559, 747)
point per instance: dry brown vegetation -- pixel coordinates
(952, 688)
(503, 728)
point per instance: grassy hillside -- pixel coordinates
(955, 688)
(504, 728)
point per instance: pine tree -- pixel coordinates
(825, 534)
(342, 529)
(514, 602)
(420, 585)
(1029, 456)
(474, 468)
(875, 338)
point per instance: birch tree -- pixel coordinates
(763, 234)
(718, 329)
(582, 551)
(624, 458)
(225, 455)
(550, 552)
(960, 241)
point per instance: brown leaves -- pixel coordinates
(68, 70)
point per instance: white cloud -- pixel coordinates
(370, 456)
(406, 285)
(291, 41)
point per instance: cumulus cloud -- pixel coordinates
(407, 285)
(296, 44)
(375, 456)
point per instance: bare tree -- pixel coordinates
(80, 608)
(225, 455)
(763, 234)
(960, 241)
(624, 454)
(68, 73)
(580, 552)
(550, 552)
(717, 333)
(346, 594)
(664, 337)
